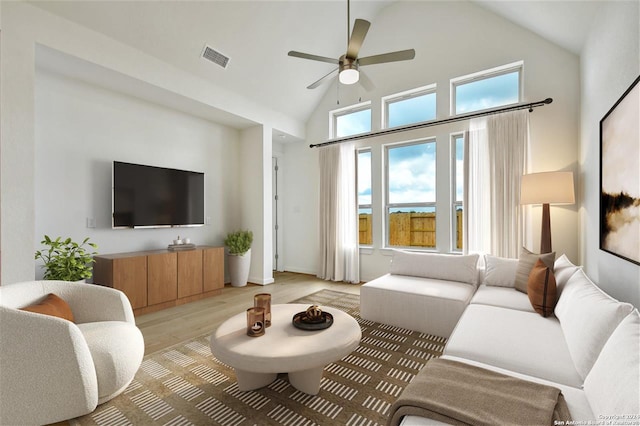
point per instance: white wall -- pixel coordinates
(610, 62)
(451, 39)
(81, 129)
(254, 169)
(23, 27)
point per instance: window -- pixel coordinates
(364, 197)
(457, 178)
(411, 194)
(487, 89)
(413, 106)
(350, 121)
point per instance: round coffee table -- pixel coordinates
(284, 348)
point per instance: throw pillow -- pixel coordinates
(448, 267)
(52, 305)
(612, 383)
(526, 261)
(563, 269)
(587, 317)
(500, 271)
(541, 288)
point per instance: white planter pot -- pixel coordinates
(239, 268)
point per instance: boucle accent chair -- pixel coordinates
(52, 369)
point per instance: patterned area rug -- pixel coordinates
(186, 385)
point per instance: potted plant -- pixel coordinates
(239, 244)
(67, 260)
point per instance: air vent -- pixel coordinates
(210, 54)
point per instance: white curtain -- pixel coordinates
(339, 251)
(497, 147)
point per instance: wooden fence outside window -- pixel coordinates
(409, 229)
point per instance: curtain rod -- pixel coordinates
(530, 106)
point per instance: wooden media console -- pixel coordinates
(159, 279)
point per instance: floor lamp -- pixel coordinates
(547, 188)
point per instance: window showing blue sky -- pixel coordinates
(412, 174)
(353, 123)
(488, 93)
(364, 178)
(459, 167)
(412, 110)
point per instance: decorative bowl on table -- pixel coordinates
(313, 318)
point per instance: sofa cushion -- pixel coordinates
(503, 297)
(588, 316)
(523, 342)
(117, 348)
(526, 261)
(562, 270)
(439, 266)
(52, 305)
(421, 304)
(541, 289)
(612, 384)
(500, 271)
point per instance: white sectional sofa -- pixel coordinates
(426, 293)
(589, 348)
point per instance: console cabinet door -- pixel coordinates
(162, 277)
(189, 273)
(213, 272)
(130, 277)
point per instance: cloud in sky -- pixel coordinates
(412, 173)
(364, 177)
(412, 110)
(353, 123)
(487, 93)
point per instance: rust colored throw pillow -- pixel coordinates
(52, 305)
(541, 288)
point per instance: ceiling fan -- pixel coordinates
(349, 64)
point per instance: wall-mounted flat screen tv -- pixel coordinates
(154, 197)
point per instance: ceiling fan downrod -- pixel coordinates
(348, 22)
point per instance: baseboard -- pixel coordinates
(261, 281)
(300, 270)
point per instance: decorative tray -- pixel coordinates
(301, 321)
(179, 247)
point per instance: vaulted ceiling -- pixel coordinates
(256, 36)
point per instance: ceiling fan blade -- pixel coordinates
(366, 82)
(400, 55)
(322, 80)
(312, 57)
(360, 29)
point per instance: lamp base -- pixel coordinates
(545, 233)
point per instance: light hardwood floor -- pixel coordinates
(171, 326)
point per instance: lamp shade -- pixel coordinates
(547, 188)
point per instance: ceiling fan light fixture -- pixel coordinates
(349, 73)
(349, 76)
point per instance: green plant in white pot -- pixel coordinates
(239, 244)
(67, 260)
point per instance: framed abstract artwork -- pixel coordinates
(620, 177)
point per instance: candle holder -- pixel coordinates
(255, 322)
(263, 300)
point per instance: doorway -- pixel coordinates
(276, 214)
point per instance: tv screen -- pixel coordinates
(148, 196)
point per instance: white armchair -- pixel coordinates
(52, 369)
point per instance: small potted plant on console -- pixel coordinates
(239, 244)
